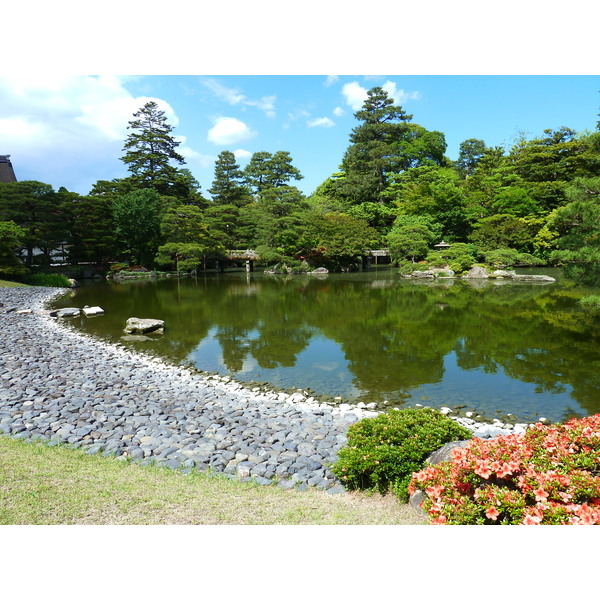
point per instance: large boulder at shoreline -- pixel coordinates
(476, 272)
(435, 458)
(135, 325)
(423, 274)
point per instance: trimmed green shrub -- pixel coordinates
(383, 452)
(406, 268)
(48, 280)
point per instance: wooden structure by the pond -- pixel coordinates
(249, 256)
(383, 252)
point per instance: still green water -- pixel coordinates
(493, 347)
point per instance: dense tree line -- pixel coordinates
(534, 202)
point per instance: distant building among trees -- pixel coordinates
(7, 173)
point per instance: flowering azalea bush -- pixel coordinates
(549, 475)
(384, 451)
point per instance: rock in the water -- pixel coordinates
(476, 272)
(503, 273)
(90, 311)
(534, 278)
(136, 325)
(68, 312)
(135, 338)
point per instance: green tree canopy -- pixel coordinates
(266, 170)
(187, 239)
(11, 237)
(436, 192)
(470, 153)
(229, 185)
(37, 208)
(338, 240)
(579, 224)
(137, 217)
(409, 242)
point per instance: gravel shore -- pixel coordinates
(60, 386)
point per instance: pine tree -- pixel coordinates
(149, 150)
(229, 185)
(373, 152)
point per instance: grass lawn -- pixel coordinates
(11, 284)
(43, 485)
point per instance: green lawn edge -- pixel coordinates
(61, 485)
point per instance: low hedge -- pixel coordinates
(383, 452)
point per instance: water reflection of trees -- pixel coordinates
(394, 337)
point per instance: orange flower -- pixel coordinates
(492, 513)
(532, 520)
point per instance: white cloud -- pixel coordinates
(241, 154)
(233, 96)
(228, 130)
(399, 96)
(331, 79)
(229, 95)
(355, 94)
(338, 111)
(68, 130)
(192, 157)
(321, 122)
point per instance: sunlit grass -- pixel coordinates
(4, 283)
(42, 485)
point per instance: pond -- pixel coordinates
(491, 346)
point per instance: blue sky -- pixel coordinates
(68, 130)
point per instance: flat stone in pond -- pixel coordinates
(136, 325)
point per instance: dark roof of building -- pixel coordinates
(7, 173)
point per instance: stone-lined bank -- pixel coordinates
(60, 386)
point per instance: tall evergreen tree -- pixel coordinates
(372, 153)
(257, 171)
(384, 144)
(229, 185)
(149, 150)
(266, 170)
(281, 170)
(470, 153)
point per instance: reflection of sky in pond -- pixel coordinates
(321, 366)
(493, 391)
